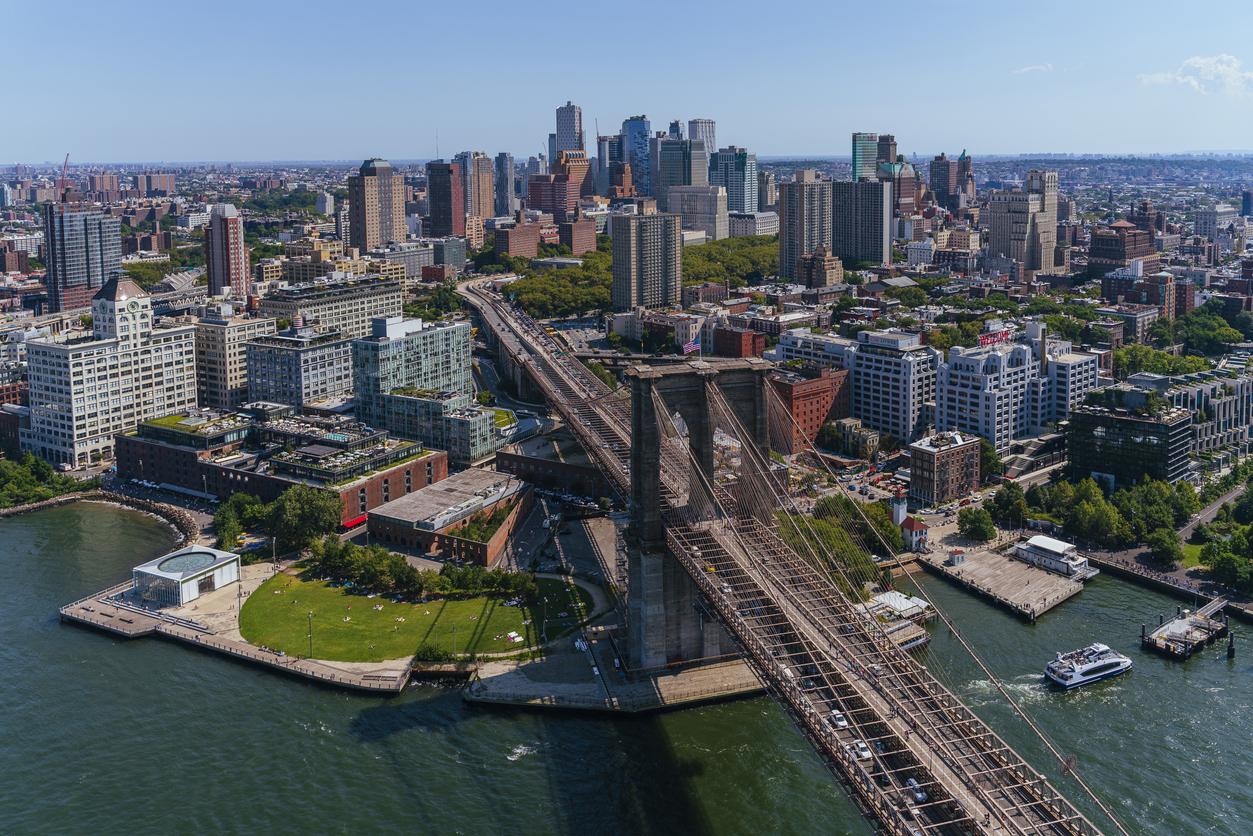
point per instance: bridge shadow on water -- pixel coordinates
(600, 774)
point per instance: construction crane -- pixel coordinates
(63, 185)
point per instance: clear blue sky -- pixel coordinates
(271, 79)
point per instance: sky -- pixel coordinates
(279, 80)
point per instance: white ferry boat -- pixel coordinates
(1090, 664)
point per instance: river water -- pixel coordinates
(145, 736)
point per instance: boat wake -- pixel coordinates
(520, 751)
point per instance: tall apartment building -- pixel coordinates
(1119, 246)
(705, 131)
(767, 191)
(702, 208)
(636, 136)
(1022, 224)
(222, 355)
(505, 175)
(82, 251)
(340, 303)
(299, 366)
(477, 183)
(986, 391)
(445, 194)
(861, 216)
(608, 153)
(943, 181)
(85, 390)
(553, 194)
(735, 169)
(804, 219)
(893, 378)
(943, 467)
(226, 256)
(865, 156)
(885, 150)
(154, 185)
(647, 261)
(676, 162)
(413, 379)
(569, 128)
(324, 203)
(376, 201)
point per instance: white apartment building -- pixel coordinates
(985, 391)
(86, 390)
(892, 379)
(802, 344)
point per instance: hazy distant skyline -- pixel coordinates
(324, 81)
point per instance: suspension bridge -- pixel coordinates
(716, 531)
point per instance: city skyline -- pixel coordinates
(1103, 77)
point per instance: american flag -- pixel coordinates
(692, 345)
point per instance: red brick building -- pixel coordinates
(738, 342)
(519, 241)
(579, 236)
(812, 397)
(220, 453)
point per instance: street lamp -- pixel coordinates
(310, 634)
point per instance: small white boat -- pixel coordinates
(1086, 665)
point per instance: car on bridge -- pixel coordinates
(911, 784)
(837, 721)
(859, 750)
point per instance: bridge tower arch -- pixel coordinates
(665, 624)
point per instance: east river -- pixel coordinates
(147, 736)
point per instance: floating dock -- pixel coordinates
(1187, 632)
(1018, 586)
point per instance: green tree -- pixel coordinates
(1164, 547)
(975, 524)
(990, 463)
(1009, 505)
(302, 514)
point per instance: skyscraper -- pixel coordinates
(477, 185)
(1022, 223)
(702, 208)
(83, 250)
(865, 155)
(569, 128)
(861, 214)
(445, 192)
(647, 261)
(608, 152)
(804, 219)
(676, 162)
(704, 130)
(767, 191)
(226, 257)
(735, 169)
(575, 166)
(944, 181)
(506, 203)
(376, 197)
(636, 132)
(886, 150)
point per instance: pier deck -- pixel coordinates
(1025, 589)
(1187, 632)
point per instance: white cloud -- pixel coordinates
(1034, 68)
(1207, 74)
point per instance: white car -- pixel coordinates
(859, 750)
(837, 721)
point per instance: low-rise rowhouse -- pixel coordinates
(266, 449)
(434, 520)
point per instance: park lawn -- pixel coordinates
(1191, 555)
(276, 616)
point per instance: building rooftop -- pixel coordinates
(187, 563)
(461, 495)
(943, 441)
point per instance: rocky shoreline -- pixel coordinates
(183, 524)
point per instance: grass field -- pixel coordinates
(348, 628)
(1191, 555)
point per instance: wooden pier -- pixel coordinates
(1018, 586)
(1187, 632)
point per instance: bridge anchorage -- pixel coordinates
(723, 560)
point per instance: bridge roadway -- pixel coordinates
(813, 650)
